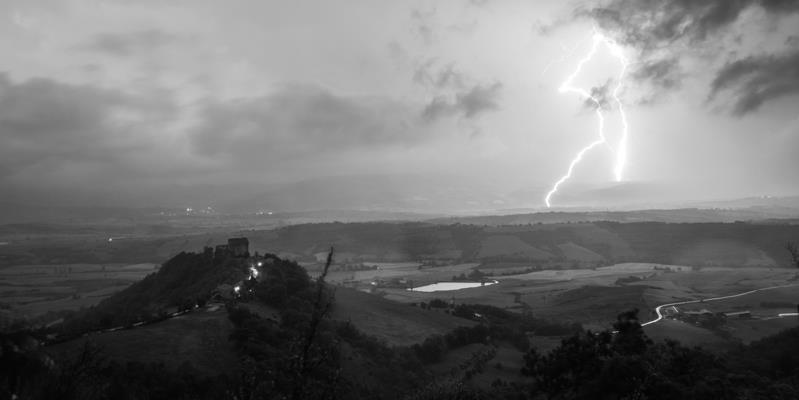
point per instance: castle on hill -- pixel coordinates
(235, 247)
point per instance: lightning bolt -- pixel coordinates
(567, 87)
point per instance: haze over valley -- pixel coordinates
(460, 199)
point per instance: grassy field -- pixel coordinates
(578, 253)
(591, 305)
(33, 290)
(507, 245)
(764, 304)
(594, 297)
(723, 252)
(200, 338)
(65, 270)
(556, 244)
(755, 329)
(687, 334)
(396, 323)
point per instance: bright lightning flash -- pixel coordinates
(567, 87)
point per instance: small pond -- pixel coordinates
(444, 286)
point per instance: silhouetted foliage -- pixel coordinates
(183, 281)
(513, 327)
(281, 280)
(301, 354)
(88, 375)
(437, 303)
(793, 250)
(432, 349)
(626, 364)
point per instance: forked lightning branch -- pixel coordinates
(568, 87)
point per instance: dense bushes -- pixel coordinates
(433, 348)
(277, 360)
(297, 357)
(513, 327)
(386, 372)
(281, 280)
(773, 356)
(587, 365)
(626, 364)
(438, 303)
(89, 375)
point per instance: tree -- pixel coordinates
(794, 251)
(311, 355)
(629, 335)
(612, 363)
(432, 349)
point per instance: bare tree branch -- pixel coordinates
(321, 308)
(794, 250)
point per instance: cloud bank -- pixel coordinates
(663, 31)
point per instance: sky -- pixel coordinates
(413, 105)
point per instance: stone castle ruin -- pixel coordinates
(235, 247)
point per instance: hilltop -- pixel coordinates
(182, 282)
(226, 324)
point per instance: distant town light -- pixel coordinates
(260, 264)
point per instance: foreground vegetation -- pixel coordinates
(304, 354)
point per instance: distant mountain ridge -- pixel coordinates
(683, 215)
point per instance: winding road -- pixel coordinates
(660, 315)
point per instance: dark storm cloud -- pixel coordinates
(600, 96)
(468, 103)
(649, 24)
(479, 99)
(123, 44)
(46, 124)
(455, 97)
(301, 120)
(444, 77)
(652, 25)
(756, 80)
(439, 107)
(662, 73)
